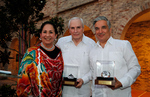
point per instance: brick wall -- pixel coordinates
(119, 12)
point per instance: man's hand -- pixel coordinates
(117, 84)
(80, 82)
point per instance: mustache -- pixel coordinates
(100, 34)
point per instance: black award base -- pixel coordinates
(69, 82)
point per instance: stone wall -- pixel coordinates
(67, 4)
(119, 12)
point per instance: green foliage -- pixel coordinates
(24, 11)
(6, 91)
(4, 57)
(59, 23)
(5, 28)
(16, 14)
(19, 13)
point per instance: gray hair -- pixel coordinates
(74, 18)
(102, 18)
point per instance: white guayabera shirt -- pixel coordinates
(77, 55)
(126, 70)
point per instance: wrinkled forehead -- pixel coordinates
(75, 23)
(101, 23)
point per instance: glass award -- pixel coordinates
(70, 75)
(105, 73)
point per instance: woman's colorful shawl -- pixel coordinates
(41, 75)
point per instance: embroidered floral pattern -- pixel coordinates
(51, 75)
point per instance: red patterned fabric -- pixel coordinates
(44, 80)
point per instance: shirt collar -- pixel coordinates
(83, 39)
(109, 41)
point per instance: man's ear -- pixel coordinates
(83, 29)
(110, 30)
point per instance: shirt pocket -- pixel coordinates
(85, 54)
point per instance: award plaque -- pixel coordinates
(105, 73)
(70, 75)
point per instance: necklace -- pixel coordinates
(48, 49)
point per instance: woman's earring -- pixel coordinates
(39, 38)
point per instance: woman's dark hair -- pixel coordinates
(48, 22)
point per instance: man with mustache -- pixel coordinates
(127, 68)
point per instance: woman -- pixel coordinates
(42, 67)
